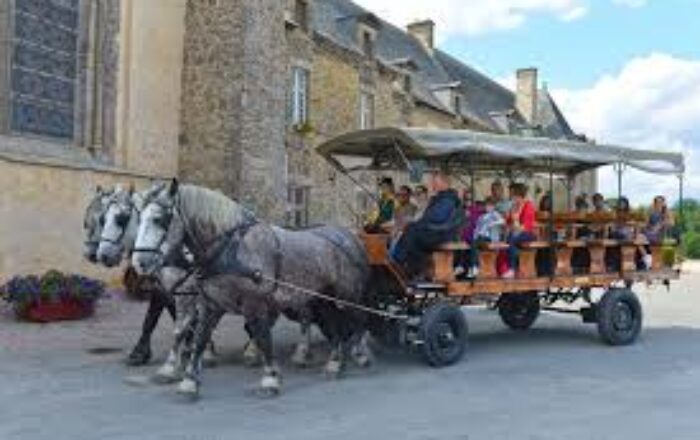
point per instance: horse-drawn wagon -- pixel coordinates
(427, 315)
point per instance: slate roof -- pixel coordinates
(484, 100)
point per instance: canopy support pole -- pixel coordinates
(550, 232)
(681, 182)
(620, 169)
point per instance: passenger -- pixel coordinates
(598, 230)
(546, 203)
(439, 224)
(660, 221)
(420, 199)
(498, 192)
(625, 232)
(621, 230)
(489, 229)
(521, 224)
(581, 204)
(599, 203)
(386, 204)
(472, 213)
(405, 210)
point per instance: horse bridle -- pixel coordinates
(202, 259)
(118, 241)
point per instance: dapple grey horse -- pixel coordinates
(248, 267)
(119, 224)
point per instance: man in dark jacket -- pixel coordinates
(440, 223)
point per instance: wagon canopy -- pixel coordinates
(393, 148)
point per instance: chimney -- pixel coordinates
(526, 94)
(423, 31)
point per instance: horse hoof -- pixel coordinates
(363, 360)
(333, 369)
(188, 388)
(270, 386)
(138, 358)
(301, 358)
(252, 356)
(167, 374)
(209, 359)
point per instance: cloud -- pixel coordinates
(474, 17)
(630, 3)
(652, 102)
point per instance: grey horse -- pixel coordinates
(93, 220)
(119, 224)
(248, 267)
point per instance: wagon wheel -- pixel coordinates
(519, 310)
(619, 316)
(443, 332)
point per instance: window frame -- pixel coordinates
(301, 14)
(367, 110)
(299, 105)
(298, 211)
(13, 41)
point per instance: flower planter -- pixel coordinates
(50, 311)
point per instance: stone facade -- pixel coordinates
(201, 89)
(233, 123)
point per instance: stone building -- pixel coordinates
(232, 94)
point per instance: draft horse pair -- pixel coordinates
(238, 264)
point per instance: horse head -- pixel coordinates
(160, 230)
(119, 228)
(93, 222)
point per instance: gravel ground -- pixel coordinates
(557, 381)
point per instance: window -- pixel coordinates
(298, 207)
(407, 84)
(458, 103)
(299, 108)
(367, 44)
(301, 14)
(43, 68)
(366, 110)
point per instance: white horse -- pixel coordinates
(247, 267)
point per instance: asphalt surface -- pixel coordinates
(557, 381)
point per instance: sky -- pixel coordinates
(623, 71)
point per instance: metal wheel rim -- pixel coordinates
(623, 317)
(445, 340)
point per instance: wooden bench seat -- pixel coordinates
(455, 246)
(527, 258)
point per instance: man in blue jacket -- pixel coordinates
(440, 223)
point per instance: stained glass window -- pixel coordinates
(44, 67)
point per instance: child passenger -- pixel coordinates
(489, 229)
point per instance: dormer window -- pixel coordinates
(301, 14)
(368, 44)
(457, 103)
(407, 84)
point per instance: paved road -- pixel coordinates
(554, 382)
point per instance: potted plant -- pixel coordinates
(52, 297)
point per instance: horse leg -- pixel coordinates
(252, 357)
(302, 352)
(209, 318)
(329, 324)
(172, 370)
(360, 352)
(261, 332)
(141, 353)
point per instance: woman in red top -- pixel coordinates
(521, 223)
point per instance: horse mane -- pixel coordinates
(210, 212)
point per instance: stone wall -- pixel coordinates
(42, 216)
(151, 45)
(4, 63)
(233, 118)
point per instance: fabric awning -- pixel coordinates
(471, 151)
